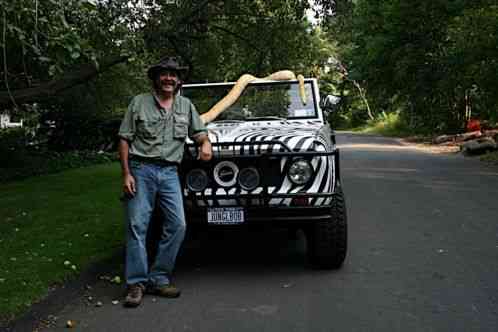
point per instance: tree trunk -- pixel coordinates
(364, 98)
(49, 89)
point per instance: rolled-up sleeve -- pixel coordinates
(196, 127)
(127, 129)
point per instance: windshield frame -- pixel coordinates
(312, 96)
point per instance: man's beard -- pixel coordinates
(159, 86)
(166, 83)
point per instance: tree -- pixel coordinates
(422, 58)
(69, 56)
(49, 46)
(62, 43)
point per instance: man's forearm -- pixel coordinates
(204, 142)
(123, 149)
(201, 139)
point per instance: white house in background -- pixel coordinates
(5, 121)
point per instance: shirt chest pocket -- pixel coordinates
(180, 128)
(148, 128)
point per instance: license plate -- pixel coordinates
(225, 216)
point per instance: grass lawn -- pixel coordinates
(52, 227)
(390, 125)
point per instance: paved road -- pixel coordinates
(423, 257)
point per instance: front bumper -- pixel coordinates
(267, 214)
(283, 216)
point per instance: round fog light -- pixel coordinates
(300, 172)
(248, 178)
(197, 180)
(225, 173)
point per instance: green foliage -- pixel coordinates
(223, 40)
(472, 58)
(45, 221)
(432, 59)
(23, 164)
(219, 40)
(12, 139)
(88, 116)
(19, 160)
(388, 124)
(43, 39)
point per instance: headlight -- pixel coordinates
(248, 178)
(300, 172)
(197, 180)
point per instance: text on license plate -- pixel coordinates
(234, 215)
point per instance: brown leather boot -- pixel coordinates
(134, 295)
(164, 291)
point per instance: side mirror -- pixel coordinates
(329, 103)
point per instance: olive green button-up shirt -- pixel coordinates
(154, 132)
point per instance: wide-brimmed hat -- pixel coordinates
(170, 63)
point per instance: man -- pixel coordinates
(152, 137)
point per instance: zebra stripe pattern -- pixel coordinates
(302, 136)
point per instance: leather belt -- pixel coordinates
(154, 161)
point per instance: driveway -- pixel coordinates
(423, 256)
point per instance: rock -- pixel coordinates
(493, 133)
(443, 138)
(479, 146)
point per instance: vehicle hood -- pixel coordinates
(300, 135)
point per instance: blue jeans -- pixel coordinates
(153, 182)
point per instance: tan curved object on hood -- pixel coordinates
(241, 84)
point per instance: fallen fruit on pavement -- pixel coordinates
(116, 280)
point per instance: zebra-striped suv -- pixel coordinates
(274, 162)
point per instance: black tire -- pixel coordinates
(328, 240)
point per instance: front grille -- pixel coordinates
(274, 188)
(268, 168)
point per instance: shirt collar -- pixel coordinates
(158, 104)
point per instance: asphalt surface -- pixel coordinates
(423, 256)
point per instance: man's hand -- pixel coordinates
(205, 150)
(129, 185)
(128, 180)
